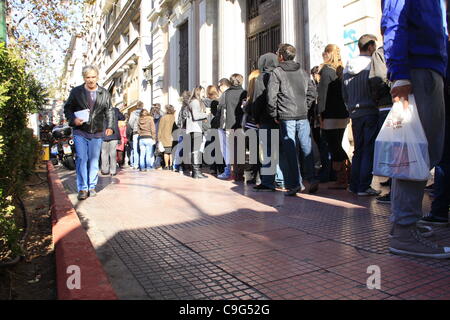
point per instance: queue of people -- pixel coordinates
(292, 113)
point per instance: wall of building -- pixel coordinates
(341, 22)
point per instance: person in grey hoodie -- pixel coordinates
(260, 112)
(290, 94)
(364, 114)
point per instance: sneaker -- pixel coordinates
(224, 176)
(293, 192)
(425, 231)
(313, 187)
(263, 188)
(384, 199)
(369, 193)
(407, 240)
(92, 193)
(83, 195)
(430, 220)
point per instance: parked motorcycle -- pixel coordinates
(63, 147)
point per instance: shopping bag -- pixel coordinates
(161, 148)
(401, 148)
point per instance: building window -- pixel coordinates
(126, 38)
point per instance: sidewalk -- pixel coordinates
(164, 236)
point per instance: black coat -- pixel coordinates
(290, 92)
(230, 108)
(102, 113)
(331, 103)
(118, 116)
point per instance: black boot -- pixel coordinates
(196, 173)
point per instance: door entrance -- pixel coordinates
(184, 57)
(263, 29)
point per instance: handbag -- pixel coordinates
(401, 148)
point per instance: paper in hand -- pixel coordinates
(83, 115)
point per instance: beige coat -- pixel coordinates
(165, 130)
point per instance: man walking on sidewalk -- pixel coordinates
(364, 114)
(290, 93)
(415, 41)
(86, 110)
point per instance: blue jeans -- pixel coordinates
(296, 133)
(365, 130)
(135, 152)
(147, 159)
(87, 162)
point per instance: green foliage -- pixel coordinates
(20, 95)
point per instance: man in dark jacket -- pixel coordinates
(416, 56)
(290, 94)
(109, 147)
(230, 109)
(88, 109)
(364, 114)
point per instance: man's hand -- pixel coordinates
(78, 122)
(403, 92)
(109, 132)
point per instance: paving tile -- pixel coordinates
(325, 254)
(319, 285)
(437, 290)
(214, 240)
(398, 274)
(265, 267)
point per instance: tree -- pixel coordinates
(41, 30)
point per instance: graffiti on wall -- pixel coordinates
(317, 47)
(351, 42)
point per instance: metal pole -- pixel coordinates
(2, 20)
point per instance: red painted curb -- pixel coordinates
(74, 248)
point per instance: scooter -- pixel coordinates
(63, 147)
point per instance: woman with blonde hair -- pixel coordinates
(249, 123)
(333, 113)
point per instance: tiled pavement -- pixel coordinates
(161, 235)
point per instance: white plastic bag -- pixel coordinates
(160, 146)
(401, 148)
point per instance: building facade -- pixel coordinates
(153, 50)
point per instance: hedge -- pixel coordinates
(20, 95)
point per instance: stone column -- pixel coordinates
(174, 54)
(193, 45)
(206, 44)
(232, 38)
(289, 22)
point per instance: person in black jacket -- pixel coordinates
(109, 147)
(86, 110)
(290, 93)
(230, 109)
(334, 116)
